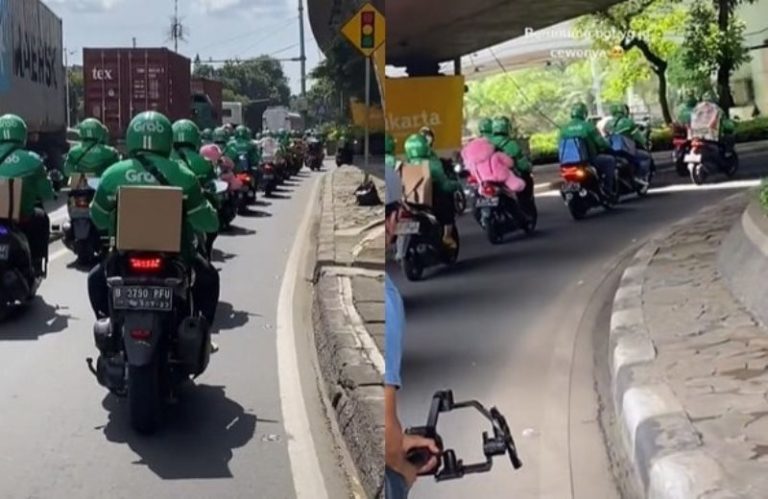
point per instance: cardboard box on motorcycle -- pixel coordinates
(149, 218)
(10, 199)
(416, 180)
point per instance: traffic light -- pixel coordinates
(368, 30)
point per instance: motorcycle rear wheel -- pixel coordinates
(733, 165)
(578, 211)
(699, 174)
(412, 267)
(144, 401)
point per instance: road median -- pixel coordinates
(688, 363)
(348, 316)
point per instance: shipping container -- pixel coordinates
(123, 82)
(214, 90)
(32, 76)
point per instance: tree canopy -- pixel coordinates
(252, 80)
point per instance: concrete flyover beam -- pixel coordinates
(445, 29)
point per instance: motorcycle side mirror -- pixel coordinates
(221, 186)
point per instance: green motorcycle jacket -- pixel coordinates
(587, 131)
(236, 148)
(90, 158)
(26, 165)
(199, 215)
(511, 148)
(627, 127)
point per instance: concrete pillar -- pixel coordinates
(457, 66)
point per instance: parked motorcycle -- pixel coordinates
(152, 341)
(81, 236)
(420, 242)
(18, 282)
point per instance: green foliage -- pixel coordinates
(706, 47)
(252, 80)
(76, 94)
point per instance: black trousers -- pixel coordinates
(444, 207)
(37, 228)
(205, 290)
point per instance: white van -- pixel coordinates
(232, 112)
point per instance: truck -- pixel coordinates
(232, 113)
(207, 102)
(123, 82)
(280, 117)
(32, 75)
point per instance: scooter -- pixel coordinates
(80, 235)
(420, 242)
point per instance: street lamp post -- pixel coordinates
(66, 86)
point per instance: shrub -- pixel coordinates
(764, 194)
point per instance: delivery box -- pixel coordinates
(417, 183)
(10, 199)
(149, 218)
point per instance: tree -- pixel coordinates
(76, 94)
(645, 25)
(252, 80)
(714, 43)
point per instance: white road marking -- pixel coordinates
(734, 184)
(308, 481)
(57, 255)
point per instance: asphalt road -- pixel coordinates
(523, 326)
(63, 436)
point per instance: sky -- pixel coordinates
(217, 29)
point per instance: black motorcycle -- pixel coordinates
(314, 156)
(707, 157)
(81, 236)
(269, 178)
(18, 280)
(344, 156)
(499, 213)
(152, 341)
(420, 242)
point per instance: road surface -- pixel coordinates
(523, 326)
(230, 436)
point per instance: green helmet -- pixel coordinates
(186, 133)
(389, 144)
(417, 148)
(709, 97)
(91, 129)
(281, 132)
(617, 110)
(241, 133)
(501, 126)
(13, 130)
(579, 111)
(150, 131)
(206, 135)
(220, 136)
(485, 127)
(104, 134)
(690, 98)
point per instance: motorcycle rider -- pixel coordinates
(501, 128)
(598, 149)
(242, 145)
(206, 136)
(485, 128)
(220, 138)
(622, 124)
(724, 128)
(186, 144)
(92, 156)
(686, 108)
(417, 151)
(149, 141)
(18, 163)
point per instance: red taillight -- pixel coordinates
(141, 334)
(696, 145)
(268, 168)
(81, 202)
(679, 142)
(405, 214)
(139, 264)
(573, 174)
(244, 178)
(489, 190)
(471, 180)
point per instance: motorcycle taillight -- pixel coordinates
(145, 264)
(489, 190)
(81, 202)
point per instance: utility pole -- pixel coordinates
(177, 28)
(303, 53)
(66, 82)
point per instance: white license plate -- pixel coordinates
(693, 158)
(483, 202)
(407, 228)
(5, 252)
(153, 298)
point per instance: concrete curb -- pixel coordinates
(743, 261)
(658, 438)
(351, 366)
